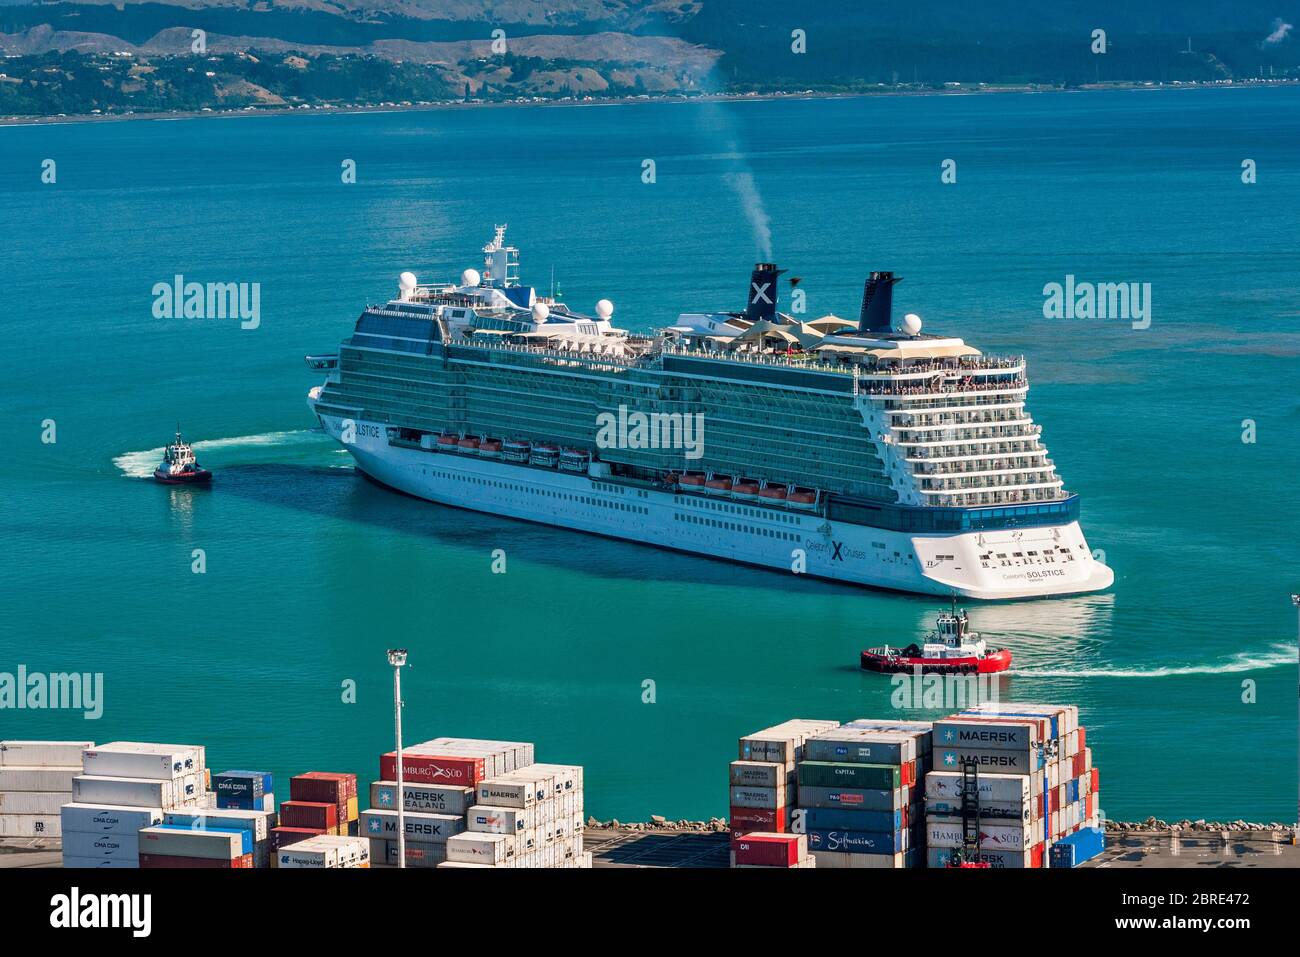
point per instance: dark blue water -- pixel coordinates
(312, 572)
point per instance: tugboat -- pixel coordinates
(179, 467)
(951, 649)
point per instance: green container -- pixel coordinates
(828, 774)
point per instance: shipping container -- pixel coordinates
(119, 845)
(1073, 849)
(108, 819)
(420, 825)
(432, 769)
(257, 823)
(281, 837)
(999, 761)
(480, 848)
(422, 797)
(879, 777)
(760, 774)
(241, 862)
(987, 733)
(859, 745)
(135, 792)
(992, 837)
(311, 814)
(846, 819)
(133, 759)
(30, 825)
(771, 849)
(857, 842)
(182, 842)
(43, 754)
(498, 820)
(241, 790)
(33, 802)
(863, 798)
(766, 798)
(34, 778)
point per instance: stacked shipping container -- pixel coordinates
(35, 782)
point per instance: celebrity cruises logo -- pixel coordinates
(179, 299)
(75, 691)
(1127, 301)
(651, 430)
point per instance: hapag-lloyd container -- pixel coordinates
(876, 777)
(420, 826)
(422, 797)
(433, 769)
(108, 819)
(42, 754)
(181, 842)
(993, 837)
(866, 799)
(135, 759)
(136, 792)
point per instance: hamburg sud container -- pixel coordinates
(859, 800)
(1036, 782)
(762, 784)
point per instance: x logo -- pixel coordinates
(837, 556)
(760, 293)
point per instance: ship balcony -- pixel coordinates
(959, 432)
(967, 365)
(982, 498)
(965, 486)
(922, 412)
(956, 452)
(928, 391)
(983, 466)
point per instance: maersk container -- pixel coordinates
(822, 774)
(42, 754)
(846, 819)
(161, 840)
(422, 797)
(133, 759)
(1010, 860)
(857, 842)
(759, 774)
(863, 798)
(108, 819)
(986, 733)
(765, 798)
(23, 778)
(420, 826)
(509, 792)
(1000, 761)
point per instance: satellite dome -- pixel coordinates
(470, 277)
(604, 309)
(407, 281)
(911, 324)
(541, 311)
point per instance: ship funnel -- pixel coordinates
(762, 292)
(878, 303)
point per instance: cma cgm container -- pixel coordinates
(242, 790)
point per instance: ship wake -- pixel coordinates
(1280, 656)
(141, 464)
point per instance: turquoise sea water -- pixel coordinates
(312, 572)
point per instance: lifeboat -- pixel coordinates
(546, 456)
(718, 485)
(468, 445)
(447, 441)
(800, 497)
(516, 451)
(746, 487)
(951, 649)
(575, 460)
(693, 479)
(490, 448)
(776, 493)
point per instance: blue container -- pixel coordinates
(857, 842)
(245, 837)
(845, 819)
(241, 789)
(1073, 849)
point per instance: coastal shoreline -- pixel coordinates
(327, 109)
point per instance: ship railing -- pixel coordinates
(1014, 385)
(812, 362)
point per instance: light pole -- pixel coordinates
(397, 658)
(1295, 837)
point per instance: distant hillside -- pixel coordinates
(581, 48)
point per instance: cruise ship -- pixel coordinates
(852, 451)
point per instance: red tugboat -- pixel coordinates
(951, 649)
(179, 466)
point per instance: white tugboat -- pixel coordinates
(179, 467)
(952, 648)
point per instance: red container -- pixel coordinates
(168, 860)
(746, 820)
(285, 836)
(1083, 739)
(432, 769)
(324, 786)
(907, 773)
(1096, 781)
(1036, 854)
(309, 814)
(770, 850)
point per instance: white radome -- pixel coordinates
(604, 309)
(407, 281)
(541, 311)
(470, 277)
(911, 324)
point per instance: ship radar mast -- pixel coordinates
(500, 262)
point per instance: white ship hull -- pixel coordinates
(780, 539)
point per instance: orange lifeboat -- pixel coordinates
(447, 441)
(490, 448)
(468, 445)
(802, 497)
(776, 492)
(718, 485)
(746, 486)
(693, 479)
